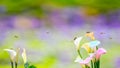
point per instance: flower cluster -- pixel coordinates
(91, 47)
(14, 58)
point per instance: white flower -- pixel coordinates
(17, 55)
(12, 54)
(78, 59)
(77, 42)
(24, 56)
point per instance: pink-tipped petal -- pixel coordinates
(86, 61)
(100, 52)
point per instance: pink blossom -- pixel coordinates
(99, 52)
(86, 61)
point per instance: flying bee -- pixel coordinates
(75, 38)
(102, 33)
(16, 36)
(110, 37)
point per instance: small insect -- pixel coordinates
(15, 36)
(47, 32)
(102, 33)
(75, 38)
(110, 37)
(88, 32)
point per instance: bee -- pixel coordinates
(102, 33)
(47, 32)
(75, 38)
(110, 37)
(16, 36)
(88, 32)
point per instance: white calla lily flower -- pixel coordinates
(77, 42)
(12, 54)
(24, 56)
(78, 59)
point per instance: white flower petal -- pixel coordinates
(24, 56)
(77, 41)
(12, 53)
(78, 59)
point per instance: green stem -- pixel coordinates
(96, 47)
(86, 66)
(16, 64)
(79, 53)
(92, 65)
(95, 64)
(98, 63)
(12, 66)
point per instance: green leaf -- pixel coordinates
(32, 66)
(26, 65)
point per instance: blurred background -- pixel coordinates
(46, 28)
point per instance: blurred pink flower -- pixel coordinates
(99, 52)
(86, 61)
(96, 55)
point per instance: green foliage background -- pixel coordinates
(36, 7)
